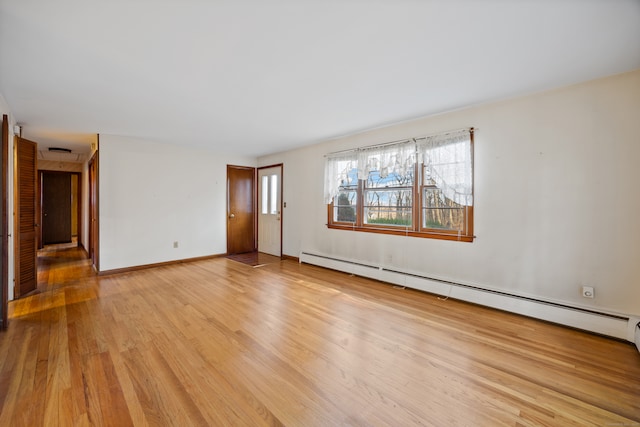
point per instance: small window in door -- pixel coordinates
(269, 195)
(264, 203)
(273, 192)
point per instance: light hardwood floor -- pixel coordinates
(217, 342)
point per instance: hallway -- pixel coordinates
(62, 263)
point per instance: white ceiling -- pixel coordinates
(262, 76)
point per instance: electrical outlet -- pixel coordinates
(588, 292)
(175, 244)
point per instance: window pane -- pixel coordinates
(273, 190)
(390, 207)
(350, 179)
(440, 212)
(344, 206)
(264, 203)
(391, 180)
(449, 168)
(444, 219)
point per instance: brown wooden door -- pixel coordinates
(241, 219)
(4, 241)
(25, 235)
(56, 207)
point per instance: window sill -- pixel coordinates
(404, 232)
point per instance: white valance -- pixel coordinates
(447, 160)
(336, 172)
(388, 159)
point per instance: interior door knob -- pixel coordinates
(232, 215)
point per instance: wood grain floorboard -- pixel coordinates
(220, 343)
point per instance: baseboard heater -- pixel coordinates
(613, 325)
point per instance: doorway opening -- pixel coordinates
(254, 214)
(52, 198)
(60, 209)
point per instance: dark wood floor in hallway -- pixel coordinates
(218, 343)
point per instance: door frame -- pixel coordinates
(93, 174)
(4, 175)
(254, 201)
(281, 166)
(40, 211)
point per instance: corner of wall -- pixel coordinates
(633, 331)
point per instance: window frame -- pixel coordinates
(366, 189)
(359, 198)
(416, 229)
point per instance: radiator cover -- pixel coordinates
(617, 326)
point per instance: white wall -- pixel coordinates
(4, 109)
(556, 198)
(152, 194)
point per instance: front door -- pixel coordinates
(240, 210)
(270, 210)
(56, 207)
(25, 236)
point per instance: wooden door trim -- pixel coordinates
(79, 200)
(281, 166)
(94, 209)
(4, 278)
(39, 239)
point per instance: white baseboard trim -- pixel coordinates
(613, 325)
(635, 331)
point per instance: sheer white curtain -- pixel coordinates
(396, 158)
(336, 172)
(447, 158)
(448, 164)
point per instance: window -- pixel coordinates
(273, 195)
(343, 188)
(388, 198)
(264, 205)
(421, 187)
(347, 201)
(269, 192)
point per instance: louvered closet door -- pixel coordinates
(26, 277)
